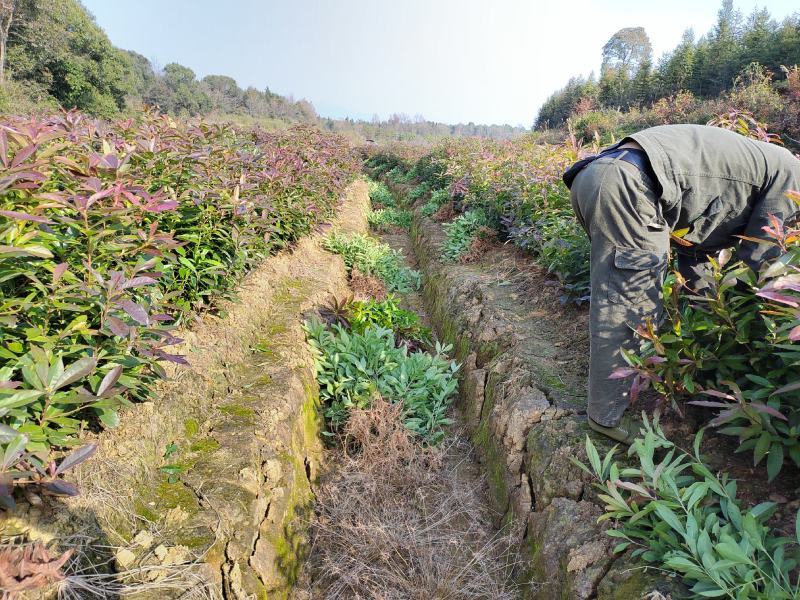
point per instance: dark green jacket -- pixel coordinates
(719, 184)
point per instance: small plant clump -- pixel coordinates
(373, 258)
(461, 233)
(387, 219)
(673, 512)
(355, 368)
(438, 199)
(379, 195)
(419, 191)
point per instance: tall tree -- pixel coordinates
(626, 50)
(7, 10)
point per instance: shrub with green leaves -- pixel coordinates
(380, 194)
(438, 199)
(374, 258)
(388, 314)
(111, 232)
(735, 342)
(461, 232)
(675, 513)
(354, 368)
(386, 219)
(419, 191)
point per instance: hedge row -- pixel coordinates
(110, 233)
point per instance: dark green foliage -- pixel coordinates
(353, 369)
(675, 513)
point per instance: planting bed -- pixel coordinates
(202, 491)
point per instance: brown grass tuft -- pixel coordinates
(445, 213)
(365, 286)
(399, 520)
(485, 239)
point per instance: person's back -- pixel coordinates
(717, 183)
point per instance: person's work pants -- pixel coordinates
(617, 206)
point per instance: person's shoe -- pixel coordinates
(624, 433)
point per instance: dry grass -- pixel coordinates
(446, 213)
(365, 286)
(397, 520)
(484, 240)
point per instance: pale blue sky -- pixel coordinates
(486, 61)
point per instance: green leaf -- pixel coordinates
(774, 461)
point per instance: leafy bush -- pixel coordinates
(735, 341)
(380, 194)
(419, 191)
(517, 184)
(387, 314)
(387, 218)
(109, 231)
(438, 199)
(461, 232)
(353, 369)
(675, 513)
(375, 259)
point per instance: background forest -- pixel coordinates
(742, 63)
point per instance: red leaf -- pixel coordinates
(794, 334)
(710, 403)
(717, 394)
(118, 326)
(21, 216)
(59, 487)
(779, 298)
(136, 311)
(76, 458)
(23, 154)
(767, 409)
(622, 373)
(58, 271)
(723, 417)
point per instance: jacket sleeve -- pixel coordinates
(772, 201)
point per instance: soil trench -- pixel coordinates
(415, 525)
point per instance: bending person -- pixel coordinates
(714, 182)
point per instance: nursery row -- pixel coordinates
(732, 348)
(112, 233)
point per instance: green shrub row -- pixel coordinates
(110, 233)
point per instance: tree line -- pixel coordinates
(754, 47)
(53, 52)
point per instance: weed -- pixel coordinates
(373, 258)
(353, 369)
(674, 512)
(461, 232)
